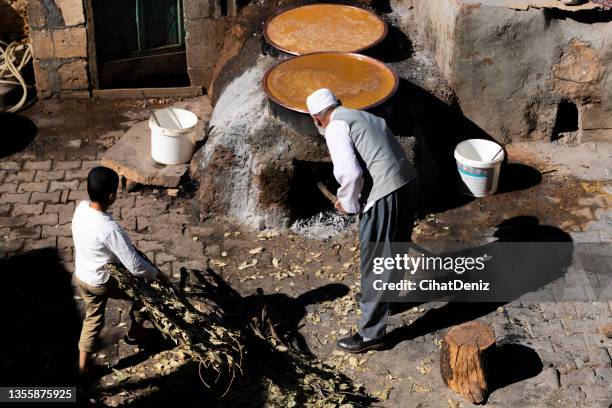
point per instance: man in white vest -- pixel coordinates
(377, 181)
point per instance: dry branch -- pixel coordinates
(210, 341)
(289, 377)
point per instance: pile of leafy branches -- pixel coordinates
(249, 362)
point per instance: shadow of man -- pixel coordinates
(527, 257)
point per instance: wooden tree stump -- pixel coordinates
(463, 360)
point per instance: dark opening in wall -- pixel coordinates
(305, 199)
(567, 119)
(139, 43)
(223, 6)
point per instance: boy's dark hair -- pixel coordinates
(101, 183)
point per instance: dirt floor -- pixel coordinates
(308, 284)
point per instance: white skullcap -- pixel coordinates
(320, 100)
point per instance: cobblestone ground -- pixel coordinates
(40, 187)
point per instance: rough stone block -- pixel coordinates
(595, 135)
(38, 165)
(11, 246)
(129, 223)
(149, 246)
(43, 219)
(594, 116)
(131, 158)
(24, 175)
(37, 14)
(151, 209)
(70, 42)
(43, 79)
(78, 195)
(42, 45)
(10, 165)
(28, 209)
(64, 196)
(67, 165)
(56, 231)
(125, 202)
(14, 221)
(77, 175)
(25, 232)
(64, 242)
(73, 75)
(198, 8)
(200, 76)
(8, 187)
(65, 211)
(5, 209)
(35, 186)
(42, 175)
(22, 198)
(90, 164)
(63, 185)
(204, 39)
(575, 75)
(40, 243)
(72, 11)
(66, 255)
(53, 197)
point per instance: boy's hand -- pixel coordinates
(339, 208)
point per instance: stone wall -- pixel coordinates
(13, 20)
(59, 47)
(206, 22)
(510, 69)
(60, 43)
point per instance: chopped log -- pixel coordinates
(463, 360)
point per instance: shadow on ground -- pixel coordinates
(513, 274)
(41, 323)
(17, 133)
(274, 316)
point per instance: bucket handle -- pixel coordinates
(497, 154)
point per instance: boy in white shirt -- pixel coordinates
(100, 240)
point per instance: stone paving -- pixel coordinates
(37, 199)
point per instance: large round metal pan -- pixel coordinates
(360, 82)
(324, 27)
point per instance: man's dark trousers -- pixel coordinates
(390, 220)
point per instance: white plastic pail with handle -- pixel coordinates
(173, 134)
(479, 163)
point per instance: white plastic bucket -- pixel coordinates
(479, 163)
(173, 134)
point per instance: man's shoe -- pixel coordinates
(356, 344)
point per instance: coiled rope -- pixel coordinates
(13, 57)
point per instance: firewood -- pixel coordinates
(206, 337)
(204, 331)
(463, 360)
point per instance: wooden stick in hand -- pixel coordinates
(328, 194)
